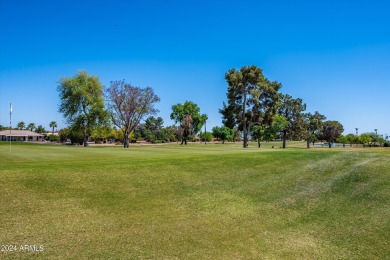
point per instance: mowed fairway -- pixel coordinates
(196, 202)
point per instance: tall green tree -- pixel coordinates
(314, 124)
(154, 129)
(129, 105)
(189, 117)
(21, 125)
(251, 99)
(257, 133)
(351, 138)
(82, 102)
(53, 124)
(223, 133)
(292, 109)
(343, 139)
(31, 127)
(364, 139)
(332, 130)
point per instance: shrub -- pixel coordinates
(53, 138)
(386, 144)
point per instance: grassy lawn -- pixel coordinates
(195, 202)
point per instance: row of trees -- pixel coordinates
(255, 108)
(370, 139)
(32, 127)
(88, 107)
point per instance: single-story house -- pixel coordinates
(20, 135)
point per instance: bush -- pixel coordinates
(53, 138)
(208, 136)
(386, 144)
(158, 141)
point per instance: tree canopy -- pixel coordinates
(292, 109)
(128, 105)
(251, 99)
(223, 133)
(82, 101)
(189, 117)
(332, 130)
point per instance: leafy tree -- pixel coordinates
(75, 135)
(101, 133)
(314, 124)
(332, 130)
(223, 133)
(376, 140)
(251, 99)
(82, 102)
(40, 129)
(364, 139)
(53, 138)
(257, 133)
(206, 136)
(381, 140)
(21, 125)
(351, 138)
(53, 124)
(129, 105)
(2, 128)
(154, 129)
(64, 134)
(189, 117)
(292, 109)
(31, 127)
(343, 139)
(170, 133)
(279, 124)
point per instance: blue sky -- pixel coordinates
(335, 55)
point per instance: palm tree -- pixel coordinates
(21, 125)
(52, 125)
(31, 126)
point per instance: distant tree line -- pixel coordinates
(255, 110)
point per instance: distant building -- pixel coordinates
(20, 135)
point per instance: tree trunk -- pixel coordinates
(125, 140)
(330, 144)
(308, 144)
(223, 141)
(245, 144)
(258, 142)
(284, 139)
(85, 136)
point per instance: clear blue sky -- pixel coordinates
(335, 55)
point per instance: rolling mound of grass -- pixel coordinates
(195, 202)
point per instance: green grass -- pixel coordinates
(195, 202)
